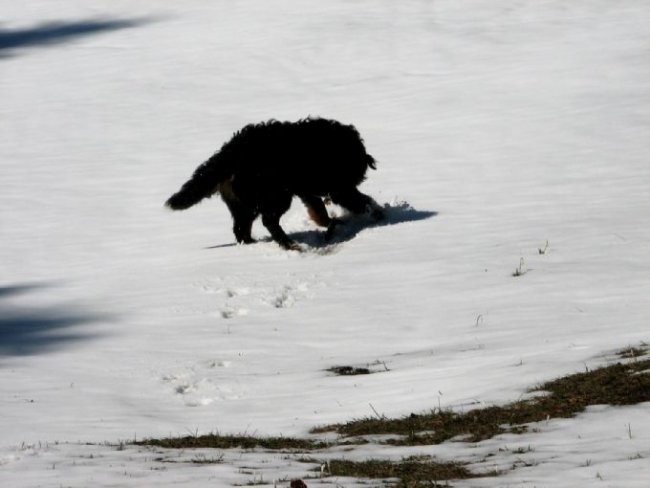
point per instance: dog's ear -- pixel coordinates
(370, 161)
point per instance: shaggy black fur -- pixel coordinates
(263, 166)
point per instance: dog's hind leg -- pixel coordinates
(357, 202)
(242, 216)
(243, 223)
(316, 209)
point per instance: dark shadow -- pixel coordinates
(221, 246)
(6, 291)
(26, 331)
(351, 225)
(49, 33)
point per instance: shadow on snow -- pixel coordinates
(26, 331)
(49, 33)
(351, 225)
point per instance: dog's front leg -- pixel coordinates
(272, 223)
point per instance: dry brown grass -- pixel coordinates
(617, 384)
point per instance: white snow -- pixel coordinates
(498, 126)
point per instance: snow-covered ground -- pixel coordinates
(498, 127)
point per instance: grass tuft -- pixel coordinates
(632, 353)
(409, 472)
(348, 370)
(521, 269)
(216, 441)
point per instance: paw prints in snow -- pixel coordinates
(286, 296)
(240, 300)
(202, 384)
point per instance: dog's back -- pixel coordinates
(315, 156)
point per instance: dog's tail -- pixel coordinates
(202, 184)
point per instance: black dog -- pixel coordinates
(264, 165)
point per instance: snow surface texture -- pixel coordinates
(498, 126)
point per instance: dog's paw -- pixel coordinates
(292, 246)
(246, 240)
